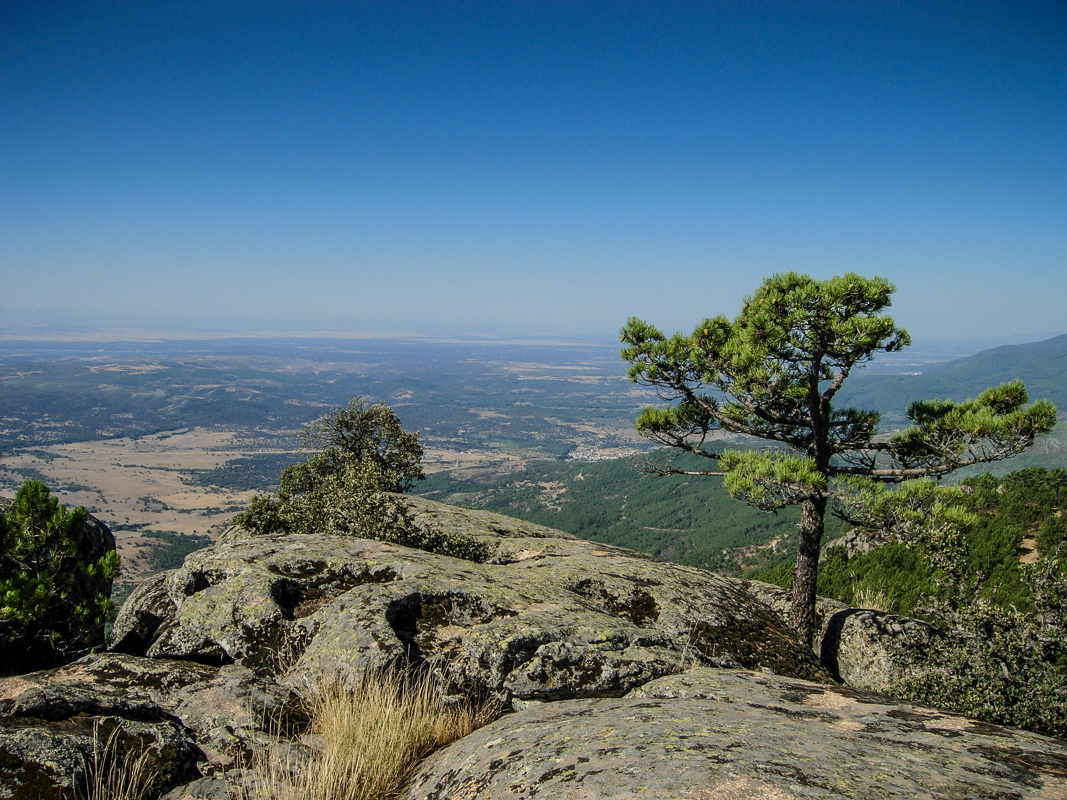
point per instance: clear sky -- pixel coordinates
(534, 167)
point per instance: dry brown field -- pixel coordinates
(126, 481)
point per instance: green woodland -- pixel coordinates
(689, 520)
(1009, 515)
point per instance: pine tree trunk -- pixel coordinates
(802, 612)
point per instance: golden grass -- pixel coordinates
(112, 775)
(363, 742)
(870, 598)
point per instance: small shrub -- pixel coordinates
(55, 580)
(999, 664)
(349, 488)
(445, 543)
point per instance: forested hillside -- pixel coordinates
(691, 520)
(1041, 365)
(1017, 518)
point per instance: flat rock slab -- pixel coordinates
(731, 735)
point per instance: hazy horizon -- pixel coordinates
(487, 169)
(936, 348)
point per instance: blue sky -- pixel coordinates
(528, 167)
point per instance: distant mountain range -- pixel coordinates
(1041, 365)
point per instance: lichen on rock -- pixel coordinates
(569, 619)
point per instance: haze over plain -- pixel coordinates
(490, 168)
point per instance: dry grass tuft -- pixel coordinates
(112, 776)
(872, 599)
(363, 742)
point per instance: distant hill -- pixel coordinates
(1042, 366)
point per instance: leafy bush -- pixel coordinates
(1051, 535)
(992, 516)
(370, 434)
(349, 488)
(55, 579)
(1001, 665)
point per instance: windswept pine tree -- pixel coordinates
(773, 373)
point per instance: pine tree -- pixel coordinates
(55, 580)
(773, 373)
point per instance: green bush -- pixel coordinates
(56, 573)
(1051, 535)
(1000, 665)
(350, 487)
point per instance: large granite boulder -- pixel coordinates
(735, 735)
(604, 652)
(193, 719)
(549, 617)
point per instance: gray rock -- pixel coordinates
(858, 542)
(214, 788)
(104, 683)
(233, 712)
(865, 649)
(605, 651)
(781, 600)
(41, 760)
(550, 617)
(871, 649)
(731, 735)
(54, 722)
(147, 608)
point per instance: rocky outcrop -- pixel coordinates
(549, 617)
(857, 542)
(735, 735)
(604, 655)
(192, 720)
(54, 723)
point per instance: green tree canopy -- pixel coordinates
(773, 373)
(368, 434)
(56, 571)
(351, 486)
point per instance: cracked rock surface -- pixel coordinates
(713, 734)
(52, 721)
(549, 617)
(631, 677)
